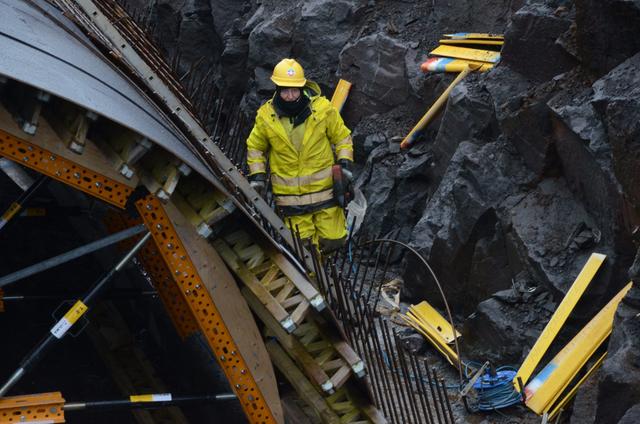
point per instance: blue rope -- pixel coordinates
(494, 392)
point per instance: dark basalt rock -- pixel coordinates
(607, 32)
(530, 42)
(479, 179)
(617, 99)
(469, 116)
(376, 65)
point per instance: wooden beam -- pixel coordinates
(301, 385)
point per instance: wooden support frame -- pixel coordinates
(302, 386)
(71, 123)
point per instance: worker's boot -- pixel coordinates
(328, 246)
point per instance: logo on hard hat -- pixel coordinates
(291, 72)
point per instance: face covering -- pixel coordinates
(298, 110)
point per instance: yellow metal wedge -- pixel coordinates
(340, 94)
(559, 318)
(546, 387)
(466, 53)
(437, 342)
(478, 35)
(427, 315)
(467, 41)
(447, 64)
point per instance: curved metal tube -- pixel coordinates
(435, 278)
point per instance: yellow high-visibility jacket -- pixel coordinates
(300, 177)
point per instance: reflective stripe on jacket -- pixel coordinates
(300, 177)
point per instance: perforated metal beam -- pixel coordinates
(153, 264)
(205, 311)
(63, 170)
(40, 408)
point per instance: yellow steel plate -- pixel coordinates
(466, 41)
(559, 317)
(560, 405)
(478, 35)
(437, 341)
(447, 64)
(428, 316)
(546, 387)
(466, 53)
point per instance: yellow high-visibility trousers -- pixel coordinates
(328, 224)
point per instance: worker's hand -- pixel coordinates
(347, 175)
(258, 182)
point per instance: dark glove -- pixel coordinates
(347, 175)
(258, 182)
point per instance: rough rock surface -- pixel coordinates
(529, 169)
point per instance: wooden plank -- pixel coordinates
(311, 368)
(300, 280)
(248, 278)
(344, 349)
(232, 308)
(302, 386)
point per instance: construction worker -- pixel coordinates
(303, 136)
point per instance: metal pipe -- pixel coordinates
(433, 393)
(439, 395)
(58, 331)
(446, 400)
(71, 254)
(382, 366)
(407, 377)
(424, 399)
(439, 286)
(375, 272)
(384, 273)
(22, 200)
(164, 400)
(399, 389)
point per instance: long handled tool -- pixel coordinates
(433, 111)
(66, 322)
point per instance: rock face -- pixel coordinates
(377, 63)
(531, 47)
(607, 32)
(529, 169)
